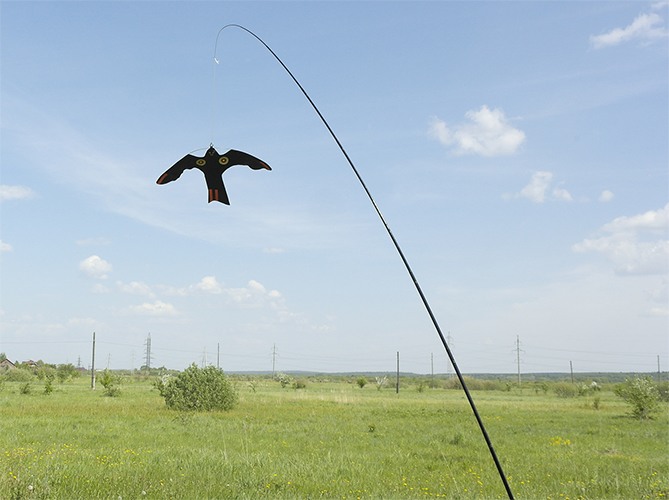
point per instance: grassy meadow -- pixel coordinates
(331, 439)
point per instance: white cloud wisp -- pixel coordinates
(487, 133)
(636, 245)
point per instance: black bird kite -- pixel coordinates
(212, 166)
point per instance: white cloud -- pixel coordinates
(156, 308)
(135, 288)
(15, 192)
(538, 190)
(562, 194)
(5, 247)
(487, 132)
(635, 245)
(95, 267)
(605, 196)
(645, 28)
(209, 284)
(650, 220)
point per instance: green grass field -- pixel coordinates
(329, 440)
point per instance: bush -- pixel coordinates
(65, 372)
(641, 394)
(299, 384)
(362, 382)
(565, 390)
(198, 389)
(18, 375)
(111, 384)
(284, 380)
(48, 385)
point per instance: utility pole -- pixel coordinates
(93, 365)
(432, 369)
(397, 384)
(518, 356)
(571, 369)
(273, 360)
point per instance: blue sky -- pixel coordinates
(518, 151)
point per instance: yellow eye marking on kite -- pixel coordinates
(200, 162)
(223, 160)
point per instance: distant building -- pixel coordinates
(5, 364)
(30, 363)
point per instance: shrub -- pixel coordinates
(25, 388)
(641, 394)
(18, 375)
(362, 382)
(48, 385)
(198, 389)
(284, 379)
(299, 384)
(111, 384)
(65, 372)
(565, 390)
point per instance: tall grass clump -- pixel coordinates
(198, 389)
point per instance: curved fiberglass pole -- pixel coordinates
(399, 251)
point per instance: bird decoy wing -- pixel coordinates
(175, 171)
(240, 158)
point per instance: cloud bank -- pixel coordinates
(636, 245)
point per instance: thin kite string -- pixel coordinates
(399, 251)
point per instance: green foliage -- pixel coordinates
(25, 388)
(48, 384)
(44, 371)
(66, 372)
(198, 389)
(284, 379)
(18, 375)
(565, 390)
(299, 384)
(331, 441)
(663, 391)
(641, 395)
(362, 382)
(111, 383)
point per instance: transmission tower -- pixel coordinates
(518, 349)
(449, 367)
(147, 359)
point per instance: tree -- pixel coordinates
(641, 394)
(198, 389)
